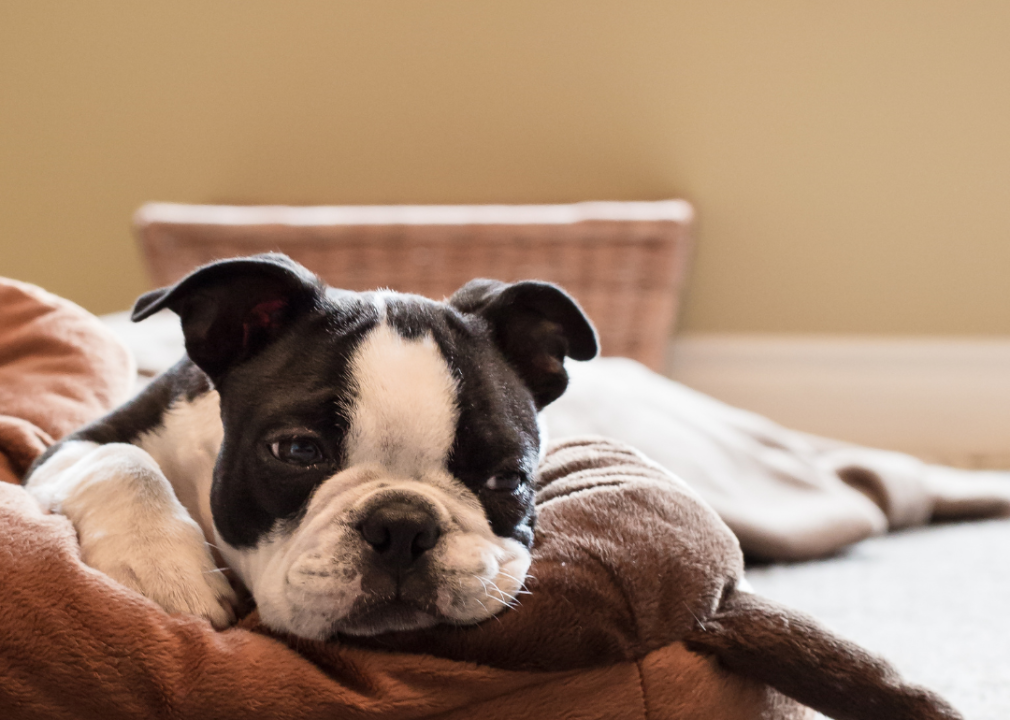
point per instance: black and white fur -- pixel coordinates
(363, 462)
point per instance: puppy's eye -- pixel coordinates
(297, 451)
(507, 481)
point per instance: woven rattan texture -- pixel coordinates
(627, 275)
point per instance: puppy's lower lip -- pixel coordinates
(377, 618)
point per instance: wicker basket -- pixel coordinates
(623, 262)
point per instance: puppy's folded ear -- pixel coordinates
(536, 325)
(231, 309)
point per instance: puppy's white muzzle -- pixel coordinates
(375, 553)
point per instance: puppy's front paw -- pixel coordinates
(132, 527)
(168, 562)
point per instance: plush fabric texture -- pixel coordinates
(592, 640)
(59, 368)
(632, 613)
(786, 495)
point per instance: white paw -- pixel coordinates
(132, 527)
(168, 562)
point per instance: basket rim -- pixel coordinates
(676, 211)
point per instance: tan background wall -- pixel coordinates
(850, 162)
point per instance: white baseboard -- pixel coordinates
(942, 398)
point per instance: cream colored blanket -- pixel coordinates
(787, 495)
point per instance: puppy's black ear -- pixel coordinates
(231, 309)
(536, 325)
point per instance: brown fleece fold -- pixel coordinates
(60, 367)
(793, 653)
(628, 564)
(75, 644)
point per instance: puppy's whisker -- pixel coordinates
(511, 577)
(483, 606)
(501, 596)
(484, 585)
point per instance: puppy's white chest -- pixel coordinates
(185, 446)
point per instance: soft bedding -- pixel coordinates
(586, 642)
(59, 368)
(635, 611)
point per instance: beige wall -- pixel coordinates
(850, 162)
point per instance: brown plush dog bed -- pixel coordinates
(631, 609)
(634, 611)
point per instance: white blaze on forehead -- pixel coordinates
(404, 415)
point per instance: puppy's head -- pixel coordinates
(379, 449)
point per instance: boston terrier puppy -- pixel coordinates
(363, 462)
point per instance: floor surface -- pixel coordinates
(935, 601)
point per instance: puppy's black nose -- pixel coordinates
(400, 533)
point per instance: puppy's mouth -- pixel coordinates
(393, 600)
(375, 617)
